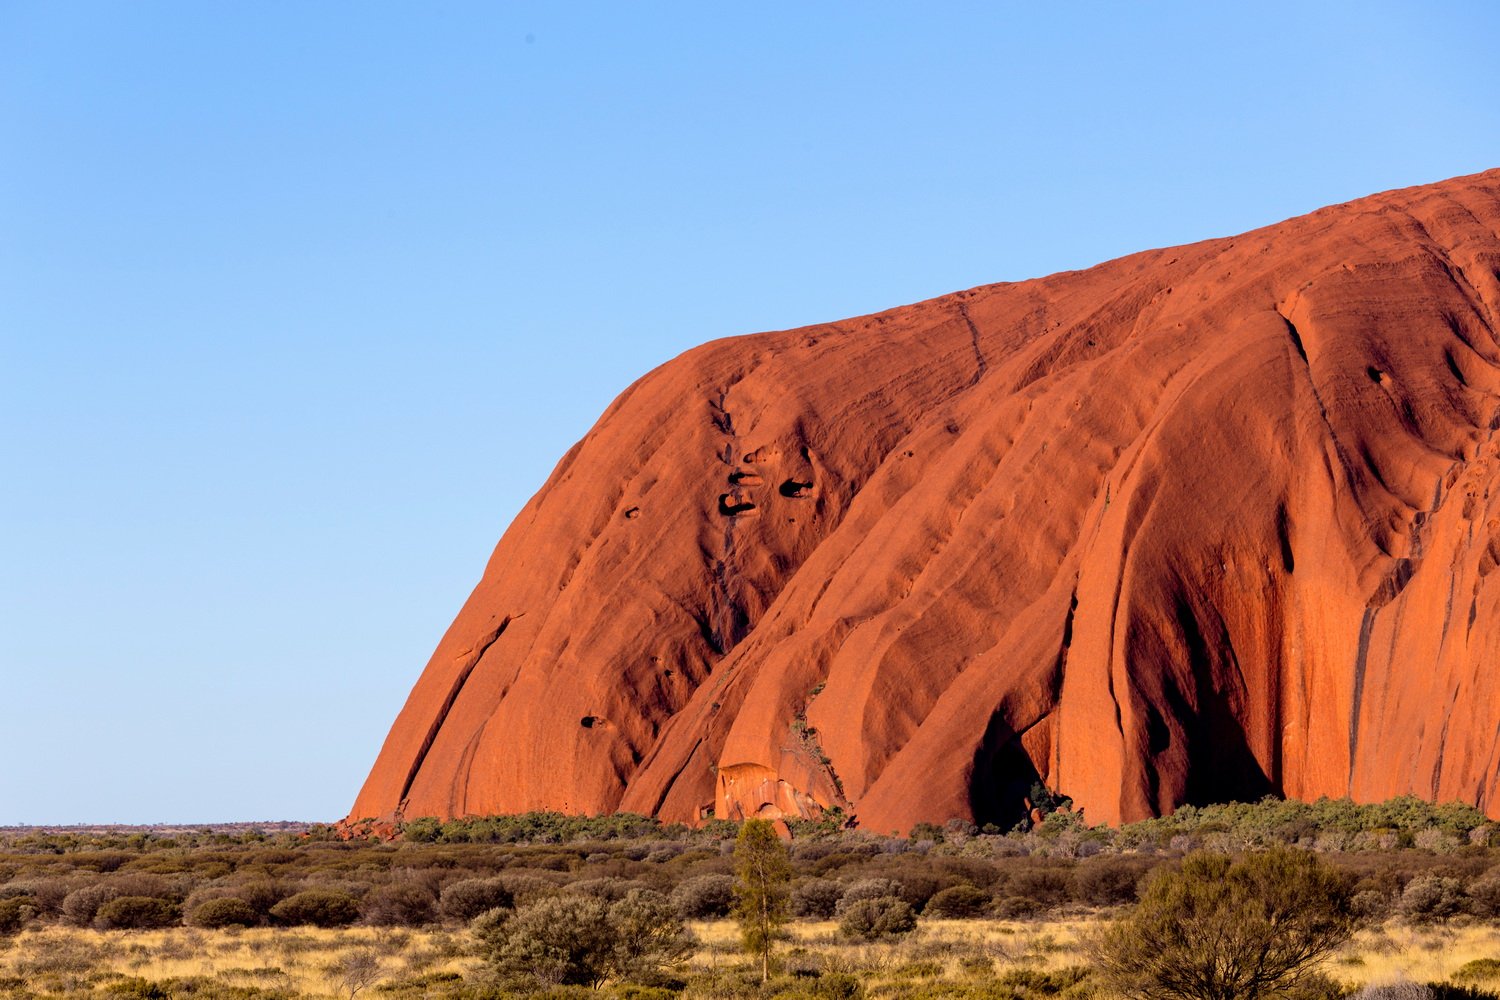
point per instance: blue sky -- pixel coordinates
(299, 303)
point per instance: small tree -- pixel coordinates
(1219, 929)
(763, 876)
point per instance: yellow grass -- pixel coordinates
(304, 961)
(301, 960)
(1398, 952)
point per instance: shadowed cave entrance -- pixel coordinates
(1002, 778)
(1221, 764)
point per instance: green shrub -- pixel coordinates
(422, 830)
(704, 897)
(80, 906)
(1479, 968)
(867, 888)
(319, 907)
(958, 902)
(15, 913)
(817, 898)
(1484, 894)
(468, 898)
(1431, 897)
(399, 904)
(1220, 928)
(883, 916)
(528, 887)
(227, 911)
(136, 913)
(582, 940)
(608, 888)
(1450, 991)
(1107, 881)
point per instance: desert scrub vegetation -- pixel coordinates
(451, 909)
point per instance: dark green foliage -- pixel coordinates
(1450, 991)
(607, 888)
(1108, 880)
(817, 898)
(958, 902)
(1037, 982)
(468, 898)
(867, 888)
(547, 828)
(422, 830)
(582, 940)
(136, 913)
(763, 876)
(704, 897)
(883, 916)
(1479, 968)
(227, 911)
(319, 907)
(1431, 897)
(15, 912)
(399, 904)
(1219, 929)
(1484, 894)
(80, 906)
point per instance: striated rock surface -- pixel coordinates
(1193, 525)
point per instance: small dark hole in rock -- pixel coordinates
(729, 508)
(795, 488)
(1376, 375)
(633, 513)
(587, 722)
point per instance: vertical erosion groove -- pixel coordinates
(467, 662)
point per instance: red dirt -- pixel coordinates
(1196, 524)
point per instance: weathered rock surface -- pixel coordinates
(1197, 524)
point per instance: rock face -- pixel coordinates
(1193, 525)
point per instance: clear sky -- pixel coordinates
(299, 303)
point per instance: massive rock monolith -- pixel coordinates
(1198, 524)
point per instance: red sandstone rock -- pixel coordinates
(1197, 524)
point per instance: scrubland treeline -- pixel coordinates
(1404, 860)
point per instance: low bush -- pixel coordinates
(1479, 969)
(81, 905)
(958, 902)
(319, 907)
(867, 888)
(607, 888)
(136, 913)
(1107, 881)
(882, 916)
(704, 897)
(468, 898)
(1431, 897)
(816, 898)
(527, 887)
(227, 911)
(1484, 894)
(582, 940)
(15, 913)
(399, 904)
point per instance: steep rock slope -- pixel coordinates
(1196, 524)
